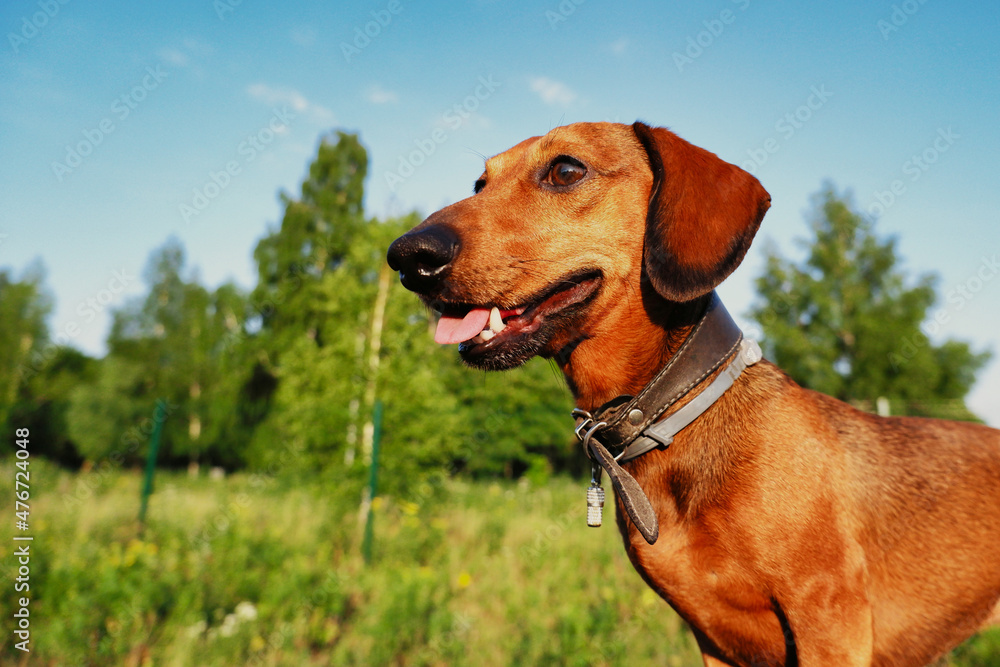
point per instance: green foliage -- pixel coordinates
(337, 330)
(982, 651)
(44, 399)
(284, 379)
(846, 323)
(102, 410)
(23, 337)
(230, 572)
(181, 344)
(317, 235)
(37, 375)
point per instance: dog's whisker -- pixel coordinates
(525, 260)
(475, 152)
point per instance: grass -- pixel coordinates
(249, 571)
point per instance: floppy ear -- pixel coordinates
(703, 214)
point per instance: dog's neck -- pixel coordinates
(638, 342)
(694, 341)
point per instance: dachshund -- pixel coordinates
(790, 528)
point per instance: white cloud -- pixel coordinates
(376, 94)
(304, 36)
(553, 93)
(174, 57)
(189, 55)
(619, 46)
(197, 46)
(466, 119)
(291, 98)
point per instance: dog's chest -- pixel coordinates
(714, 594)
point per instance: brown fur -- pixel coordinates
(794, 529)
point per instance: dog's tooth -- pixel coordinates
(496, 323)
(486, 335)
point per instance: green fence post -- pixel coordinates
(366, 545)
(159, 416)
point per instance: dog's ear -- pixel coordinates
(703, 214)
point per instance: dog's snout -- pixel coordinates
(423, 257)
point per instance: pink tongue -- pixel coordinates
(458, 329)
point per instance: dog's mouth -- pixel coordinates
(493, 337)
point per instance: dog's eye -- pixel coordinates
(565, 171)
(478, 187)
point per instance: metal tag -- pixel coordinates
(595, 499)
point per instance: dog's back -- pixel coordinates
(926, 496)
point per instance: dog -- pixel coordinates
(788, 528)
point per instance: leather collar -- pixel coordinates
(629, 426)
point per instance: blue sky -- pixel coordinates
(125, 124)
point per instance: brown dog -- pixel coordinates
(793, 529)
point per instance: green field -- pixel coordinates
(255, 571)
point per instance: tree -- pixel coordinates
(181, 344)
(107, 415)
(337, 330)
(37, 375)
(44, 400)
(315, 236)
(847, 323)
(24, 305)
(305, 309)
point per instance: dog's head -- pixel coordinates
(552, 247)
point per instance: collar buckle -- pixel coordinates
(586, 419)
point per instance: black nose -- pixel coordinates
(423, 257)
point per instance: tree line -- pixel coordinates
(284, 377)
